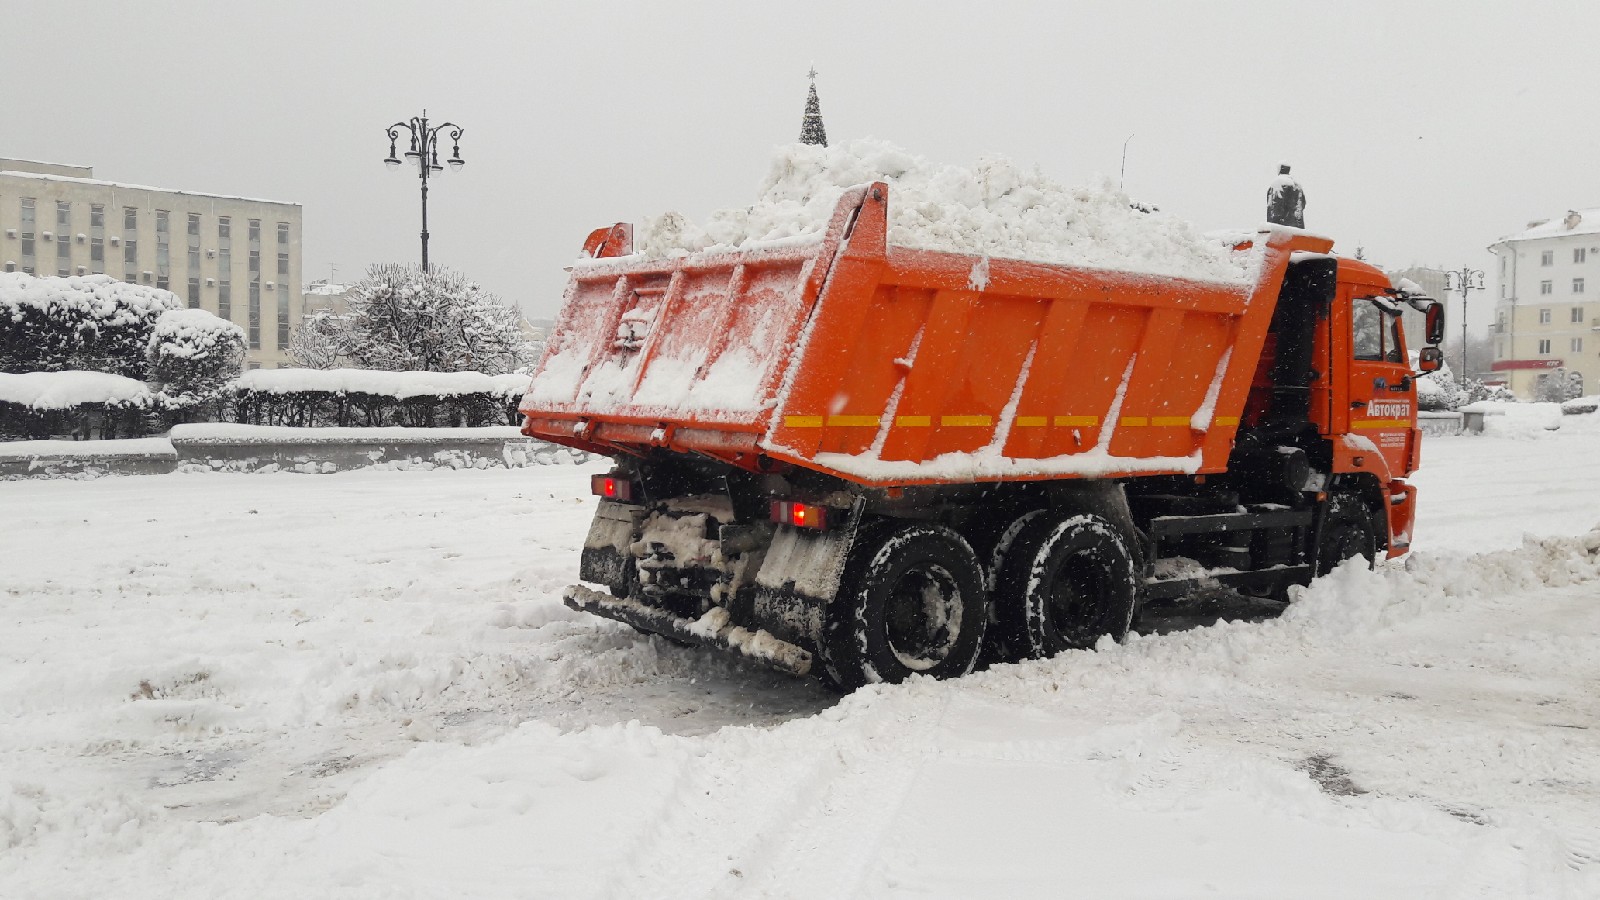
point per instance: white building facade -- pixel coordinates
(1547, 316)
(233, 256)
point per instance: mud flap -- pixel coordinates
(714, 629)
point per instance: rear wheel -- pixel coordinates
(1065, 582)
(911, 602)
(1347, 531)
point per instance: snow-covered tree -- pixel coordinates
(193, 355)
(89, 322)
(404, 319)
(315, 344)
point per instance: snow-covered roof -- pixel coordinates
(1575, 221)
(142, 187)
(399, 385)
(62, 390)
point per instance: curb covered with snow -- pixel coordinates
(225, 447)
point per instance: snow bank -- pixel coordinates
(122, 448)
(63, 390)
(996, 209)
(399, 385)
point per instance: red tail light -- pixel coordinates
(800, 515)
(611, 487)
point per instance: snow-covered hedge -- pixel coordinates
(88, 322)
(38, 405)
(362, 397)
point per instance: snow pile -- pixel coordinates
(64, 390)
(230, 433)
(399, 385)
(996, 209)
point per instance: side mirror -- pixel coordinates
(1430, 359)
(1434, 323)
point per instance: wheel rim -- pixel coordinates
(1347, 544)
(923, 617)
(1076, 599)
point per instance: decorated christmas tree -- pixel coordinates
(811, 130)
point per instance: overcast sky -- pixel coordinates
(1421, 131)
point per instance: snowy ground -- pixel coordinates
(364, 685)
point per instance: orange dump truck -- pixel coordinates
(863, 461)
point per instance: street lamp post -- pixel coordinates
(1464, 279)
(424, 153)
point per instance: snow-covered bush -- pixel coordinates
(1477, 390)
(404, 319)
(193, 355)
(1438, 390)
(1558, 386)
(88, 322)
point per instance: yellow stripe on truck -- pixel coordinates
(1077, 421)
(966, 421)
(1170, 421)
(802, 421)
(1031, 421)
(1383, 423)
(913, 421)
(853, 421)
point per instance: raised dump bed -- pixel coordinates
(888, 365)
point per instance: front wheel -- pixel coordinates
(1347, 531)
(911, 602)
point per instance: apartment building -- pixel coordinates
(1547, 317)
(233, 256)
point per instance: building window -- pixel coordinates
(255, 315)
(283, 319)
(1577, 345)
(224, 228)
(1544, 317)
(97, 255)
(1547, 258)
(255, 232)
(130, 218)
(283, 264)
(224, 300)
(130, 251)
(1544, 347)
(1577, 285)
(26, 233)
(161, 282)
(1547, 287)
(194, 291)
(194, 225)
(1577, 314)
(255, 264)
(1580, 254)
(283, 232)
(97, 215)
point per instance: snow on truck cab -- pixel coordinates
(862, 461)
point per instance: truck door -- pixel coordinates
(1381, 403)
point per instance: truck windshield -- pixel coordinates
(1375, 331)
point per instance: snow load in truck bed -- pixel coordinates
(996, 208)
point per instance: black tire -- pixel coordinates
(1066, 582)
(1347, 531)
(911, 602)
